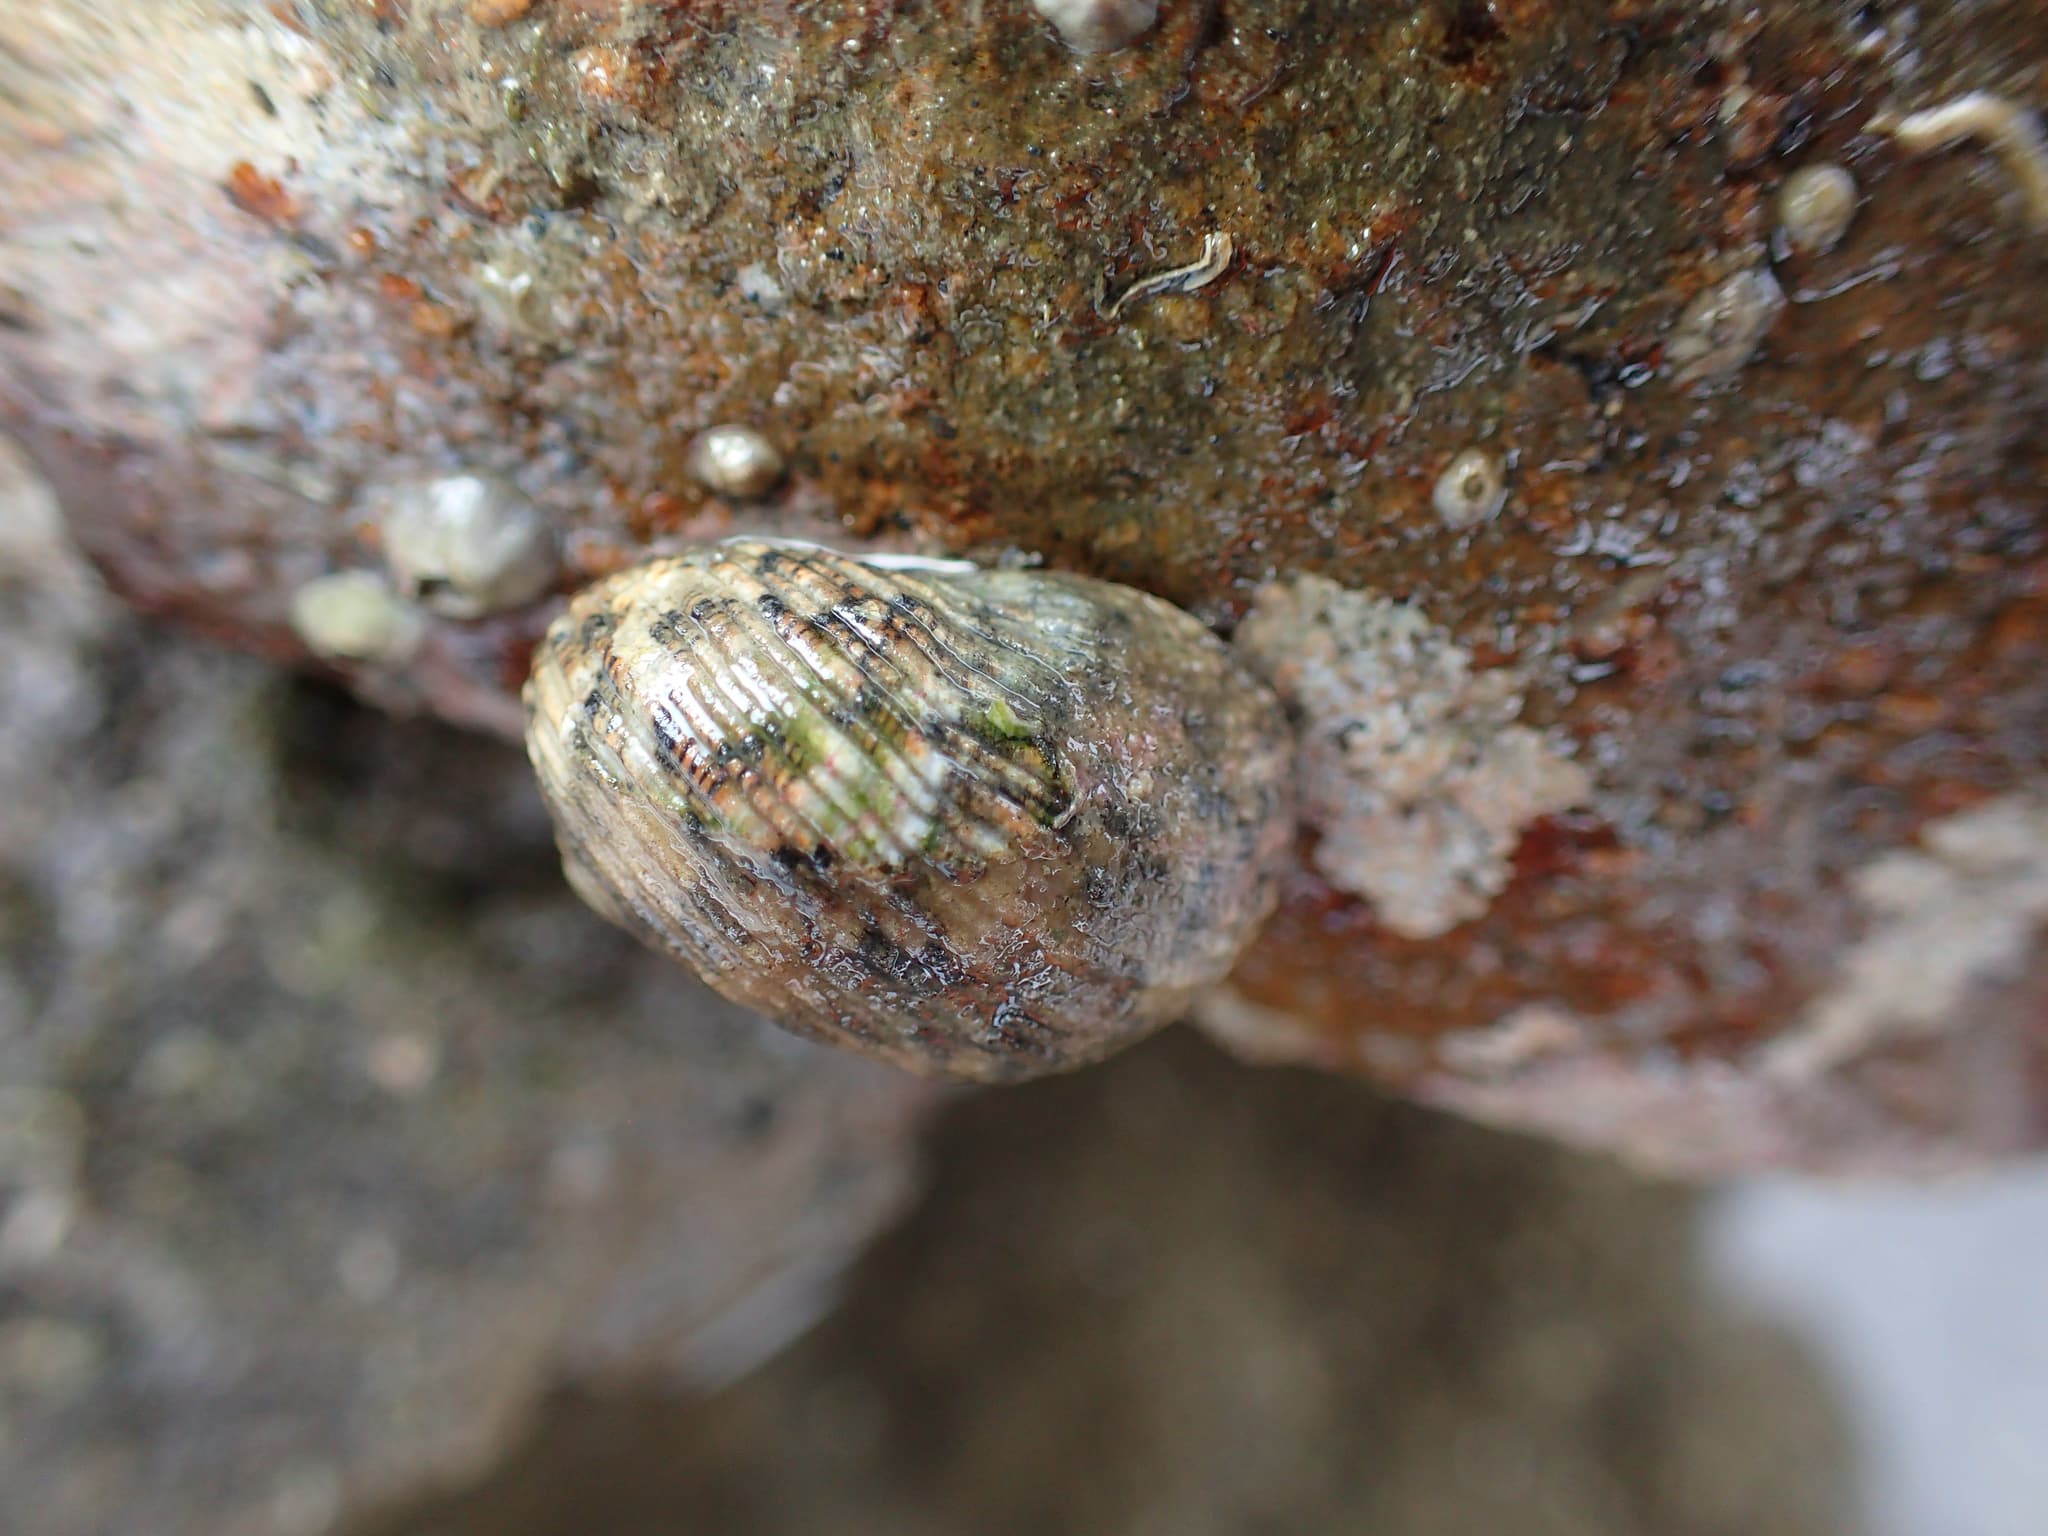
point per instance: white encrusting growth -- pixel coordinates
(1962, 910)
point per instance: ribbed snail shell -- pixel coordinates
(988, 824)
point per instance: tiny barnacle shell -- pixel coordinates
(736, 461)
(1472, 488)
(1098, 26)
(1722, 328)
(356, 616)
(1816, 205)
(981, 823)
(466, 545)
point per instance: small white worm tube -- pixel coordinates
(2007, 126)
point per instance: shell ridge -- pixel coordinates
(718, 718)
(1025, 790)
(924, 721)
(847, 820)
(1000, 635)
(861, 734)
(840, 603)
(701, 763)
(726, 644)
(618, 748)
(710, 657)
(958, 615)
(726, 662)
(964, 763)
(887, 697)
(806, 634)
(1045, 796)
(823, 801)
(923, 617)
(872, 828)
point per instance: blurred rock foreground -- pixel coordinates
(1178, 1296)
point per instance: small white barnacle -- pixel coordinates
(1815, 207)
(1721, 329)
(356, 616)
(736, 461)
(2007, 126)
(466, 546)
(1472, 489)
(982, 823)
(1098, 26)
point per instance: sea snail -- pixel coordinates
(979, 823)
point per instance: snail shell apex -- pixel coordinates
(981, 823)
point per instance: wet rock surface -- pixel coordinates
(1771, 556)
(333, 1131)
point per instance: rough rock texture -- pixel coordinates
(1413, 771)
(1772, 560)
(333, 1131)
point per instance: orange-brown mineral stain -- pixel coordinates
(260, 196)
(498, 13)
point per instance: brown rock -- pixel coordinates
(887, 238)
